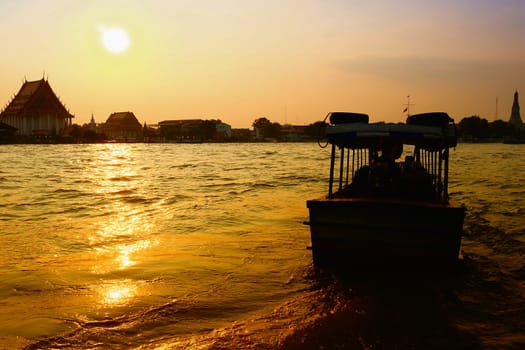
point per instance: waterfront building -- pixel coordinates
(36, 111)
(223, 131)
(243, 134)
(515, 118)
(123, 127)
(194, 130)
(293, 132)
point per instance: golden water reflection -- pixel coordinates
(122, 237)
(118, 245)
(118, 292)
(124, 253)
(118, 242)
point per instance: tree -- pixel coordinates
(261, 123)
(76, 132)
(474, 128)
(264, 128)
(315, 130)
(499, 129)
(479, 129)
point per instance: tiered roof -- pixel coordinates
(35, 97)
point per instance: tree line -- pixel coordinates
(266, 129)
(477, 129)
(469, 129)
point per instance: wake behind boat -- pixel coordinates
(382, 207)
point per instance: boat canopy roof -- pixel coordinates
(430, 131)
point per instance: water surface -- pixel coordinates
(203, 246)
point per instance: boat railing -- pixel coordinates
(361, 172)
(436, 163)
(357, 169)
(350, 161)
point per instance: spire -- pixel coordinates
(92, 124)
(515, 118)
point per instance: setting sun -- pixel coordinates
(114, 39)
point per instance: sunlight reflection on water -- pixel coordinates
(118, 232)
(115, 293)
(123, 237)
(110, 230)
(120, 238)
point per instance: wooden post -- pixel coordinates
(332, 160)
(341, 167)
(445, 180)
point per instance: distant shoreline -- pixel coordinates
(50, 142)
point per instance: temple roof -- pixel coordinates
(123, 119)
(35, 97)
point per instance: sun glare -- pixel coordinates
(114, 39)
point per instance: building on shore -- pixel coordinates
(223, 131)
(515, 117)
(194, 130)
(518, 134)
(242, 135)
(293, 133)
(36, 111)
(123, 127)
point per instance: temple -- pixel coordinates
(36, 111)
(124, 127)
(515, 118)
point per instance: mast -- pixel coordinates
(496, 117)
(407, 106)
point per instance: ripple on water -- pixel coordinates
(195, 244)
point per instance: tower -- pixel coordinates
(515, 118)
(92, 124)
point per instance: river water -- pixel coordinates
(202, 246)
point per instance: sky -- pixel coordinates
(291, 61)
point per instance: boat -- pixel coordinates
(388, 199)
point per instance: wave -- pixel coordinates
(121, 178)
(497, 240)
(122, 192)
(138, 199)
(338, 312)
(182, 166)
(296, 177)
(67, 193)
(263, 185)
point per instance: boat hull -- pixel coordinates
(375, 231)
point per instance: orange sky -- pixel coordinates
(290, 61)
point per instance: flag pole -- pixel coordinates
(407, 106)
